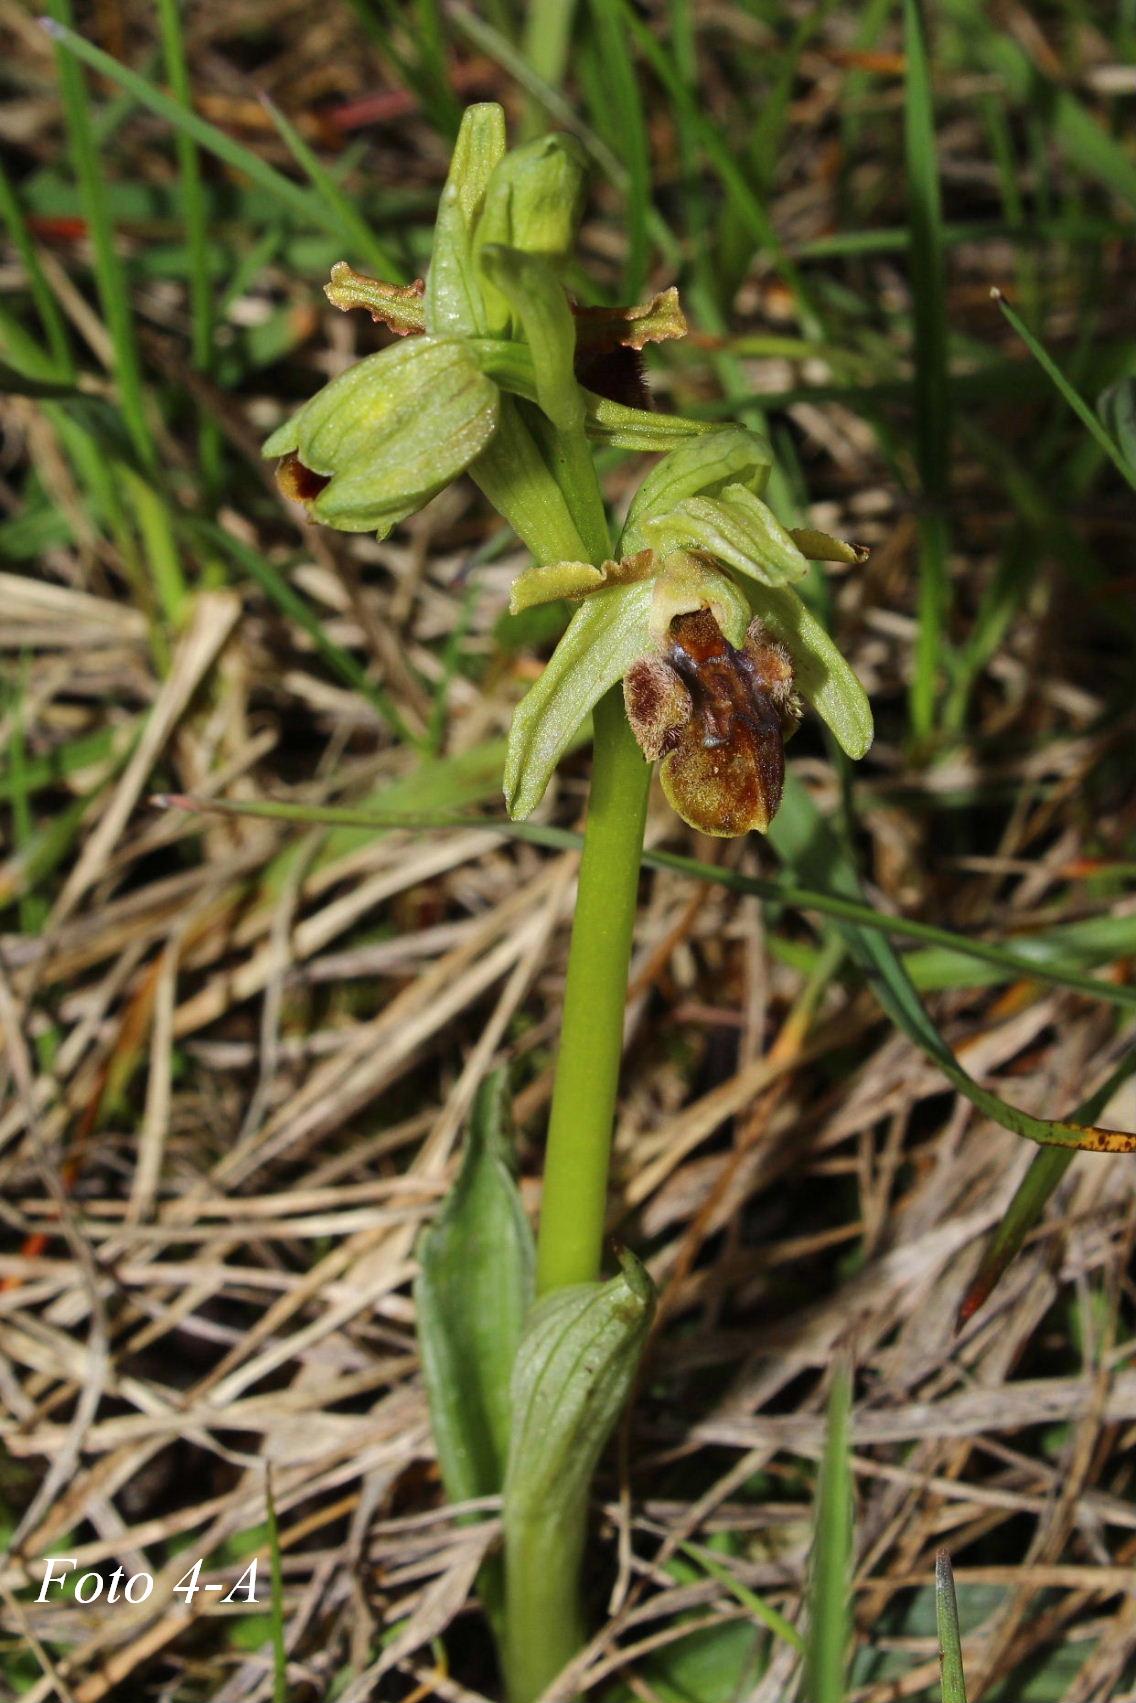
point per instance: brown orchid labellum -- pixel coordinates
(717, 719)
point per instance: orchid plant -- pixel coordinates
(689, 646)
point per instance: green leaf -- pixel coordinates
(1032, 1194)
(700, 467)
(713, 1664)
(473, 1290)
(829, 1620)
(536, 296)
(823, 677)
(602, 640)
(950, 1640)
(391, 431)
(1119, 458)
(737, 528)
(454, 300)
(574, 1371)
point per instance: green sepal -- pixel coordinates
(391, 431)
(454, 301)
(700, 467)
(574, 1371)
(605, 635)
(474, 1288)
(822, 676)
(536, 296)
(738, 529)
(517, 480)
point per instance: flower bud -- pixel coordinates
(535, 197)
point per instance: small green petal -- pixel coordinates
(700, 467)
(656, 321)
(823, 677)
(549, 584)
(604, 637)
(621, 427)
(821, 547)
(397, 306)
(738, 528)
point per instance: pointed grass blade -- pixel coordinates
(805, 841)
(1032, 1196)
(953, 1680)
(829, 1619)
(932, 383)
(1076, 402)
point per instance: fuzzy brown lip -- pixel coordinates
(716, 717)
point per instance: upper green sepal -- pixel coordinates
(737, 528)
(473, 1290)
(390, 432)
(528, 282)
(700, 467)
(535, 197)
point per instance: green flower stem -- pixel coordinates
(591, 1040)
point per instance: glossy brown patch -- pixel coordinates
(723, 768)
